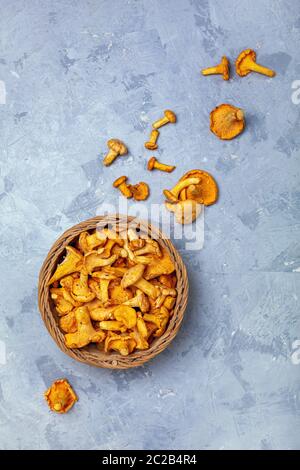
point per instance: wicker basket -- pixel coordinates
(90, 354)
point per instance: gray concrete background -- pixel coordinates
(79, 72)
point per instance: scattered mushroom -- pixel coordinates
(60, 396)
(116, 148)
(227, 121)
(206, 192)
(220, 69)
(140, 191)
(85, 333)
(120, 183)
(153, 163)
(169, 117)
(139, 301)
(246, 63)
(152, 142)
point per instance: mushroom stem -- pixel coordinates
(217, 70)
(261, 69)
(160, 122)
(110, 157)
(151, 144)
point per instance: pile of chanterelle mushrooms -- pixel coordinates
(117, 290)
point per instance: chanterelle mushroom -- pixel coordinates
(220, 69)
(169, 117)
(60, 396)
(246, 63)
(227, 121)
(85, 333)
(72, 263)
(140, 191)
(206, 192)
(116, 148)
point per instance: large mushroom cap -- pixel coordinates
(227, 121)
(206, 192)
(117, 146)
(246, 57)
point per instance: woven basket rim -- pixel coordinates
(90, 354)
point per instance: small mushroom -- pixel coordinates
(227, 121)
(140, 191)
(139, 301)
(62, 305)
(141, 341)
(169, 117)
(147, 288)
(160, 319)
(85, 333)
(123, 344)
(80, 289)
(94, 260)
(169, 302)
(132, 275)
(137, 244)
(186, 212)
(152, 142)
(120, 183)
(154, 164)
(172, 194)
(126, 315)
(72, 263)
(164, 265)
(60, 396)
(151, 247)
(246, 63)
(220, 69)
(116, 148)
(68, 323)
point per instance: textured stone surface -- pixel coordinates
(79, 72)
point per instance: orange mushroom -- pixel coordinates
(206, 192)
(227, 121)
(220, 69)
(246, 63)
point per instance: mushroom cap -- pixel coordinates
(170, 115)
(60, 396)
(140, 191)
(119, 181)
(206, 192)
(227, 121)
(226, 66)
(151, 163)
(117, 146)
(241, 64)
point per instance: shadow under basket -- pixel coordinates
(90, 354)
